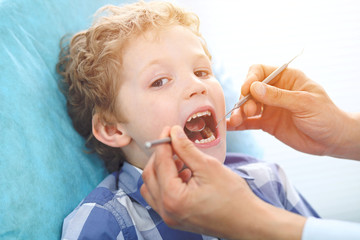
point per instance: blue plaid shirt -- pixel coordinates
(116, 209)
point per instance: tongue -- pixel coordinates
(195, 125)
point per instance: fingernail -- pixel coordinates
(259, 88)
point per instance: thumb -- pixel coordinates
(273, 96)
(186, 150)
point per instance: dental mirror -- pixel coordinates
(195, 125)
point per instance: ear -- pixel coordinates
(112, 135)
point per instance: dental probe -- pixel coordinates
(150, 144)
(266, 80)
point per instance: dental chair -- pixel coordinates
(44, 168)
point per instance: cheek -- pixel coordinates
(219, 98)
(152, 117)
(220, 94)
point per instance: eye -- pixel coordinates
(160, 82)
(201, 74)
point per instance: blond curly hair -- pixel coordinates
(90, 63)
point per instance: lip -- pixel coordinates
(203, 109)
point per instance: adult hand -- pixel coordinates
(209, 198)
(298, 112)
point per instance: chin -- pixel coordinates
(218, 151)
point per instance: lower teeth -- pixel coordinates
(212, 138)
(207, 134)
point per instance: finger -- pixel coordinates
(149, 197)
(235, 120)
(185, 175)
(150, 189)
(256, 73)
(250, 108)
(258, 111)
(179, 164)
(163, 153)
(248, 124)
(165, 168)
(274, 96)
(186, 150)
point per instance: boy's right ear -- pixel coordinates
(110, 134)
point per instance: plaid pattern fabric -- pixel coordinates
(116, 209)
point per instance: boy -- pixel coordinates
(138, 69)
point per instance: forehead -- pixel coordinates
(155, 43)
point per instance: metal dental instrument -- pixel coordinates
(150, 144)
(266, 80)
(190, 128)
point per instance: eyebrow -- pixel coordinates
(203, 56)
(151, 63)
(198, 57)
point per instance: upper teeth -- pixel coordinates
(199, 114)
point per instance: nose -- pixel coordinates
(195, 87)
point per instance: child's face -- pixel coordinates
(166, 79)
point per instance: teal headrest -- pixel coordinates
(44, 172)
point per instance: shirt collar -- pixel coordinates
(130, 181)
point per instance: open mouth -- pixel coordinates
(201, 128)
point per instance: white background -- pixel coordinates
(242, 33)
